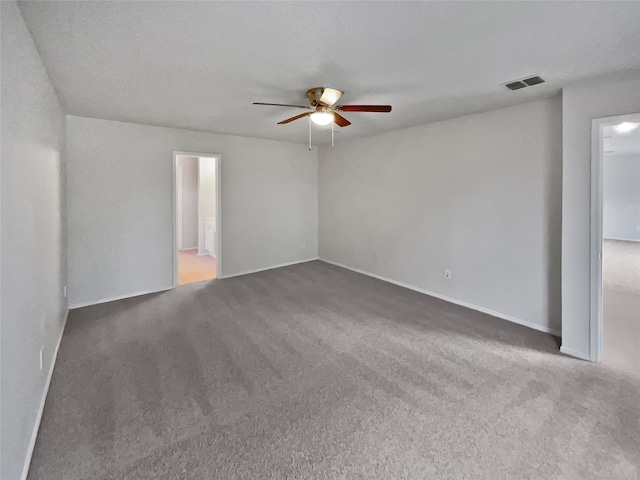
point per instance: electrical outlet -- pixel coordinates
(65, 291)
(637, 228)
(41, 360)
(447, 274)
(303, 244)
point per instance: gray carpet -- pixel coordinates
(621, 305)
(313, 371)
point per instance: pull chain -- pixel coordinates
(309, 132)
(331, 134)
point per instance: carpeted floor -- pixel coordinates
(313, 371)
(621, 305)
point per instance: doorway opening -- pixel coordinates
(615, 269)
(196, 207)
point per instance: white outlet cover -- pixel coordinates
(447, 274)
(41, 359)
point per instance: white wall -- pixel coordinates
(189, 192)
(581, 103)
(621, 197)
(207, 197)
(479, 195)
(120, 181)
(33, 251)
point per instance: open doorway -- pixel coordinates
(196, 217)
(616, 253)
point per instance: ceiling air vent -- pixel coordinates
(523, 82)
(531, 81)
(515, 85)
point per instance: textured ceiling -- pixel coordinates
(200, 65)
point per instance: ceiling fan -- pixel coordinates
(322, 108)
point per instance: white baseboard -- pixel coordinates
(146, 292)
(36, 427)
(488, 311)
(622, 239)
(188, 248)
(575, 353)
(119, 297)
(247, 272)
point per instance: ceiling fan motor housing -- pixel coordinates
(314, 95)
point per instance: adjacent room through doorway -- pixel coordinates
(196, 214)
(620, 214)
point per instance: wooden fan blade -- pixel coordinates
(289, 120)
(340, 120)
(282, 105)
(365, 108)
(330, 96)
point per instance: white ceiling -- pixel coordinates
(200, 65)
(616, 143)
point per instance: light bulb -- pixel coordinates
(322, 118)
(625, 127)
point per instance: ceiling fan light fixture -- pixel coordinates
(330, 96)
(322, 118)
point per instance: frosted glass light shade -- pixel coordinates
(322, 118)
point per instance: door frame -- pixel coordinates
(218, 170)
(596, 304)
